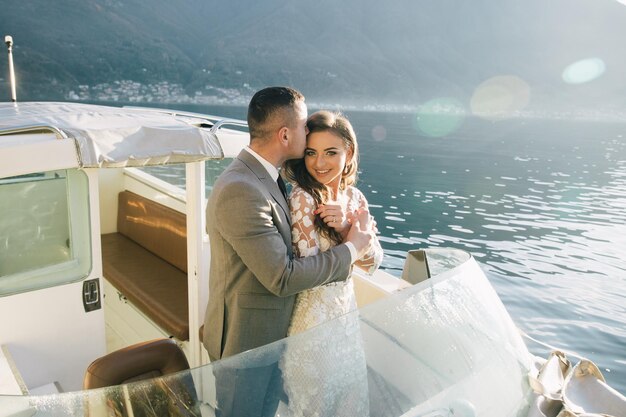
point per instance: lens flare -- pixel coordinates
(500, 97)
(379, 133)
(440, 117)
(583, 71)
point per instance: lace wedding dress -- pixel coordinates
(326, 375)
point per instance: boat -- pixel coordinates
(75, 182)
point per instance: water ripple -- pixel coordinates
(541, 205)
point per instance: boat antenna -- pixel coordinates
(9, 41)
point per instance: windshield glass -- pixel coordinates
(436, 347)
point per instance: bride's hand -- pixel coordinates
(334, 216)
(372, 227)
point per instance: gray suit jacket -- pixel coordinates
(254, 276)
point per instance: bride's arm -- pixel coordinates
(374, 256)
(303, 234)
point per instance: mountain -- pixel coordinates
(352, 51)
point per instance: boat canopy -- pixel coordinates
(116, 137)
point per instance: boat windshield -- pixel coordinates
(443, 347)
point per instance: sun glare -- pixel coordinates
(379, 133)
(500, 97)
(440, 117)
(583, 71)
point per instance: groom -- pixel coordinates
(254, 275)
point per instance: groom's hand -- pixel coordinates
(360, 232)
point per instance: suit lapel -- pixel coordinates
(262, 174)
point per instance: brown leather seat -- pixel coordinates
(146, 261)
(155, 287)
(134, 363)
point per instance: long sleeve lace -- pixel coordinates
(371, 261)
(305, 238)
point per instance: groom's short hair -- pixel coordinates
(270, 102)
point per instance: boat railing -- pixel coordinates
(228, 122)
(59, 133)
(215, 122)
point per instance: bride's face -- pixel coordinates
(325, 157)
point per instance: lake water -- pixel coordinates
(541, 204)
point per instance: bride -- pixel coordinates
(328, 378)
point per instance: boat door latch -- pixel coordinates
(91, 295)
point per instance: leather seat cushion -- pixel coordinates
(154, 286)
